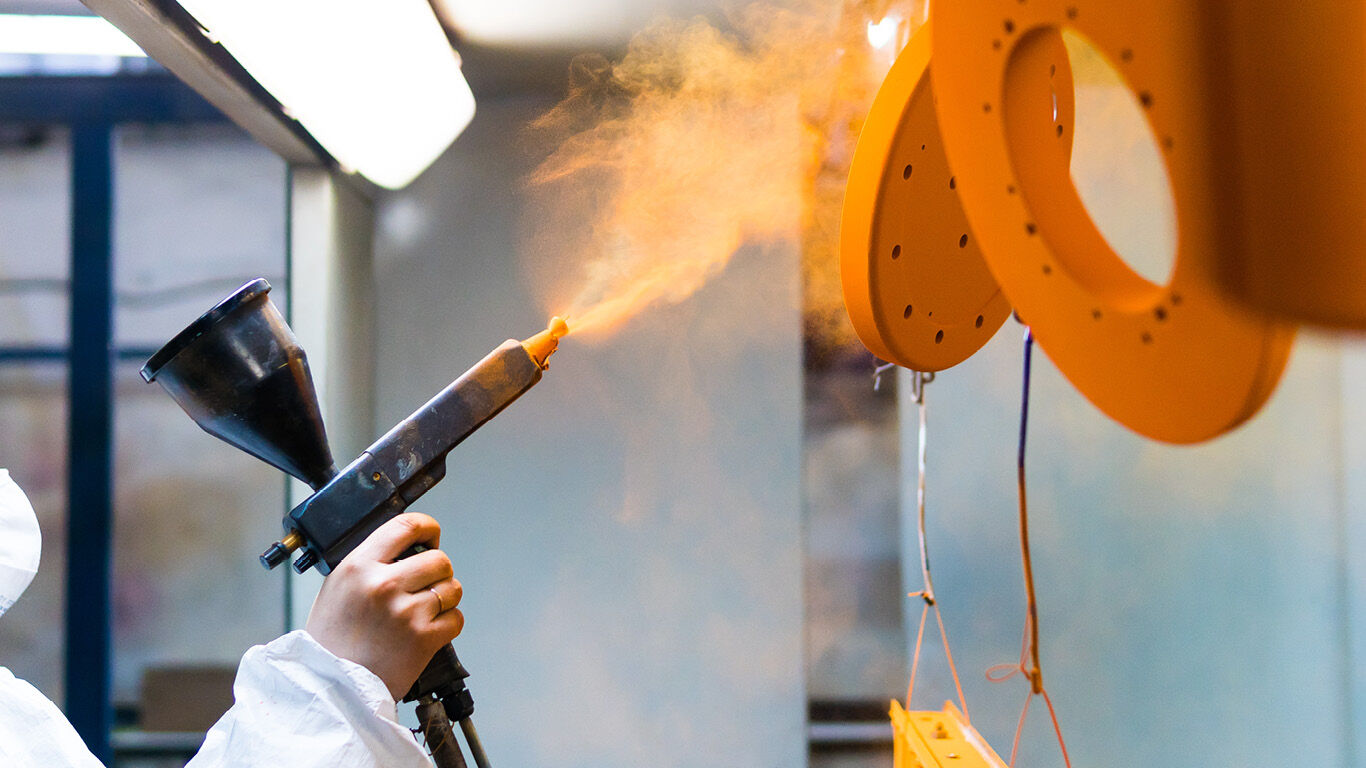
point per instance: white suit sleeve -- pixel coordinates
(33, 731)
(298, 705)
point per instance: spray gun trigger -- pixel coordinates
(306, 560)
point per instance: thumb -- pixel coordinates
(397, 535)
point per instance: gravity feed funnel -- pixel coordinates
(241, 375)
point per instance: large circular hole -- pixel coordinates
(1098, 194)
(1117, 165)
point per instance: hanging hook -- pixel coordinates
(878, 370)
(918, 382)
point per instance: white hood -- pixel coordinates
(21, 542)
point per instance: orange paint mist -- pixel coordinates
(700, 140)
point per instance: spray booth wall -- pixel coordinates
(1198, 605)
(198, 210)
(628, 533)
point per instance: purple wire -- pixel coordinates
(1024, 396)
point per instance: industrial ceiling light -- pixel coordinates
(375, 83)
(583, 23)
(63, 36)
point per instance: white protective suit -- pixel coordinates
(297, 705)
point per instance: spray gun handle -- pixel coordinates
(443, 680)
(444, 676)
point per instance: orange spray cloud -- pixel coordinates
(699, 141)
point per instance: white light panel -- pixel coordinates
(63, 36)
(374, 81)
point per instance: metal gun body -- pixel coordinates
(408, 460)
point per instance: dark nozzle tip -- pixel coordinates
(274, 556)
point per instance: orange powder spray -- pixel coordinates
(701, 140)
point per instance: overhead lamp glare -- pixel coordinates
(63, 36)
(375, 83)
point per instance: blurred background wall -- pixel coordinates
(629, 533)
(1209, 596)
(198, 208)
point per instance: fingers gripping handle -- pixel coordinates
(443, 680)
(444, 676)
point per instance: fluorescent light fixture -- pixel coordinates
(63, 36)
(582, 23)
(375, 82)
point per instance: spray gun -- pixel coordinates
(241, 375)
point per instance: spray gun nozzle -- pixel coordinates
(543, 345)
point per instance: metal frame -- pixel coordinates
(171, 35)
(90, 463)
(92, 107)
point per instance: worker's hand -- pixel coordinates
(389, 615)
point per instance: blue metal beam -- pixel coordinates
(155, 98)
(90, 481)
(25, 354)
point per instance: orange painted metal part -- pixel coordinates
(1292, 136)
(1179, 362)
(915, 284)
(929, 739)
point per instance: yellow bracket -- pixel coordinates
(932, 739)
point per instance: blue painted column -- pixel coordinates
(90, 441)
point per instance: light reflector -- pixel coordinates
(375, 82)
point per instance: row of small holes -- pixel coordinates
(1159, 312)
(906, 315)
(962, 241)
(953, 180)
(1144, 97)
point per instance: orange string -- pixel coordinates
(1028, 665)
(953, 668)
(927, 593)
(915, 658)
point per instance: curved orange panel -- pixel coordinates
(916, 286)
(1177, 362)
(1292, 120)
